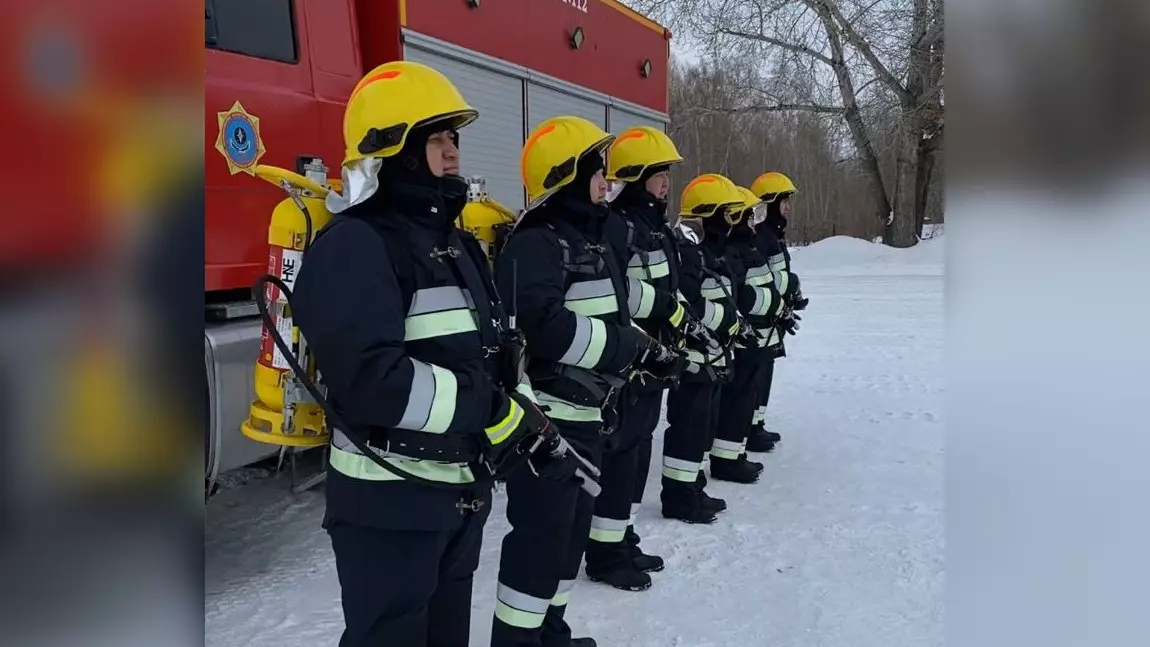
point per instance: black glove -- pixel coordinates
(697, 335)
(789, 323)
(748, 336)
(550, 463)
(726, 336)
(662, 365)
(507, 449)
(795, 294)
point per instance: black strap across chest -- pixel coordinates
(603, 261)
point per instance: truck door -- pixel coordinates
(257, 54)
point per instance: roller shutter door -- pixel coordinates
(490, 146)
(622, 119)
(544, 102)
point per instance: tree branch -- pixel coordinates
(779, 107)
(859, 43)
(930, 36)
(791, 47)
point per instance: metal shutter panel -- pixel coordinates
(489, 146)
(623, 119)
(544, 102)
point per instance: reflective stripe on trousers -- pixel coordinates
(519, 609)
(608, 531)
(681, 470)
(728, 449)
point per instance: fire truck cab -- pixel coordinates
(278, 73)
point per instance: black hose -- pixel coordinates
(333, 418)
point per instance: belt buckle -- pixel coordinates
(382, 452)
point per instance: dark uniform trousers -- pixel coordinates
(765, 392)
(739, 398)
(540, 560)
(420, 600)
(625, 468)
(692, 414)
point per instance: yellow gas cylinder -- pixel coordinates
(485, 218)
(283, 412)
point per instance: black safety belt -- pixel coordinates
(565, 229)
(481, 294)
(580, 375)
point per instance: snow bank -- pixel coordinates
(846, 256)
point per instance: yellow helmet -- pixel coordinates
(391, 100)
(552, 152)
(637, 148)
(706, 193)
(749, 201)
(485, 218)
(770, 185)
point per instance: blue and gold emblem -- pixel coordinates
(239, 139)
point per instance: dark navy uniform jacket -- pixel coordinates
(401, 313)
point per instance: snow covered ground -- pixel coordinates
(840, 544)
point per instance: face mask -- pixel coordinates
(360, 182)
(691, 230)
(759, 214)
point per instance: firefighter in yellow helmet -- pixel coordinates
(775, 190)
(693, 411)
(571, 303)
(732, 269)
(396, 305)
(640, 159)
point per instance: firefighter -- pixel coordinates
(571, 303)
(775, 190)
(693, 407)
(401, 313)
(640, 160)
(729, 234)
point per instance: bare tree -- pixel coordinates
(856, 60)
(717, 130)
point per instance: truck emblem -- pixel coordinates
(239, 139)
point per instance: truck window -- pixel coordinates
(259, 28)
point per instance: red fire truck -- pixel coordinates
(279, 71)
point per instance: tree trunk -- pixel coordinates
(924, 179)
(853, 116)
(902, 225)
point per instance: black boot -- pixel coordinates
(612, 564)
(682, 501)
(772, 436)
(759, 440)
(642, 561)
(557, 633)
(738, 471)
(714, 503)
(624, 577)
(755, 465)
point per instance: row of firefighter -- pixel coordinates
(436, 342)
